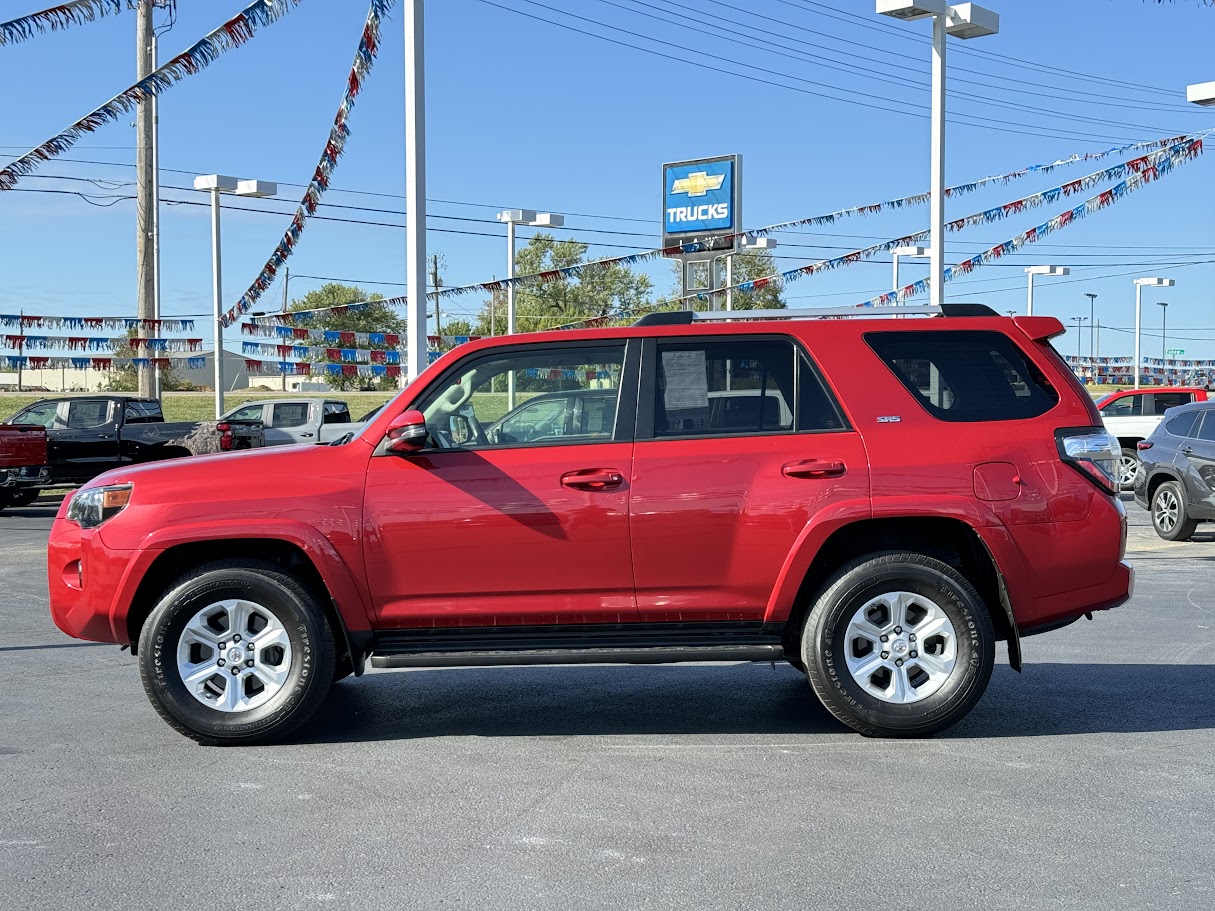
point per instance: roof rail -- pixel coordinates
(949, 310)
(666, 318)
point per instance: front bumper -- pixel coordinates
(86, 580)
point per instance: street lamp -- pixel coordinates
(1140, 284)
(1202, 93)
(512, 217)
(1092, 324)
(1164, 329)
(910, 253)
(963, 20)
(1079, 321)
(216, 184)
(1031, 271)
(748, 242)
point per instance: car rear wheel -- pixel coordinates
(1128, 467)
(898, 645)
(1170, 517)
(237, 652)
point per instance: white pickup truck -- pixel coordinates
(305, 420)
(1133, 414)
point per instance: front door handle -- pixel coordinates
(814, 468)
(305, 434)
(1187, 450)
(593, 479)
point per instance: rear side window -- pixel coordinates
(1183, 424)
(1162, 401)
(86, 414)
(142, 413)
(1207, 430)
(335, 413)
(966, 376)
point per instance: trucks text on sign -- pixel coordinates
(699, 196)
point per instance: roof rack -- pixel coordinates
(685, 317)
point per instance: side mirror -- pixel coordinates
(407, 433)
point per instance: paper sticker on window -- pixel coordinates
(687, 384)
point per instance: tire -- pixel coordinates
(23, 497)
(194, 628)
(945, 672)
(1170, 515)
(5, 499)
(1128, 467)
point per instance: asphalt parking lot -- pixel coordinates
(1086, 782)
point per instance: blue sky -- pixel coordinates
(826, 102)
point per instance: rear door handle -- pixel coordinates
(305, 434)
(1187, 450)
(593, 479)
(814, 468)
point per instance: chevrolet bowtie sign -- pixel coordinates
(700, 197)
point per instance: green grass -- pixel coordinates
(200, 406)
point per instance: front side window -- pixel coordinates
(531, 397)
(43, 414)
(248, 413)
(292, 414)
(1126, 407)
(738, 386)
(964, 376)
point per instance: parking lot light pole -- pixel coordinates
(962, 20)
(1202, 93)
(908, 253)
(1164, 329)
(1140, 284)
(1079, 321)
(216, 184)
(1031, 271)
(512, 217)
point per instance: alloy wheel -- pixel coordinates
(900, 647)
(234, 655)
(1166, 511)
(1128, 467)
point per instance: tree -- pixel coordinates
(376, 317)
(126, 379)
(547, 305)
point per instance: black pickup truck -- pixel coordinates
(88, 435)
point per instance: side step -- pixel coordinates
(659, 643)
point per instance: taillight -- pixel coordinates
(1143, 444)
(223, 428)
(225, 435)
(1094, 452)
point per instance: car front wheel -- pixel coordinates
(237, 652)
(1170, 517)
(898, 645)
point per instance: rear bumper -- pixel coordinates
(28, 476)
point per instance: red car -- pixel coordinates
(877, 501)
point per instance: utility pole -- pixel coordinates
(21, 351)
(145, 269)
(436, 282)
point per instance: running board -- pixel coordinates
(583, 656)
(618, 643)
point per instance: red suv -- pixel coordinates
(875, 500)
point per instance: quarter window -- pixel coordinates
(1207, 430)
(528, 398)
(966, 376)
(1162, 401)
(1183, 424)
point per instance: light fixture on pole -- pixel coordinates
(1164, 329)
(909, 253)
(962, 20)
(749, 242)
(512, 217)
(1031, 271)
(1140, 284)
(1202, 93)
(217, 184)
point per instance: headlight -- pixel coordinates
(94, 505)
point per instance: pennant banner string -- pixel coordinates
(232, 34)
(14, 362)
(364, 59)
(28, 320)
(57, 18)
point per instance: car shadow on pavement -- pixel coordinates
(1047, 700)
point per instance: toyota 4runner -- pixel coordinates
(875, 500)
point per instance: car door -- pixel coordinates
(292, 422)
(474, 532)
(84, 441)
(739, 445)
(1198, 451)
